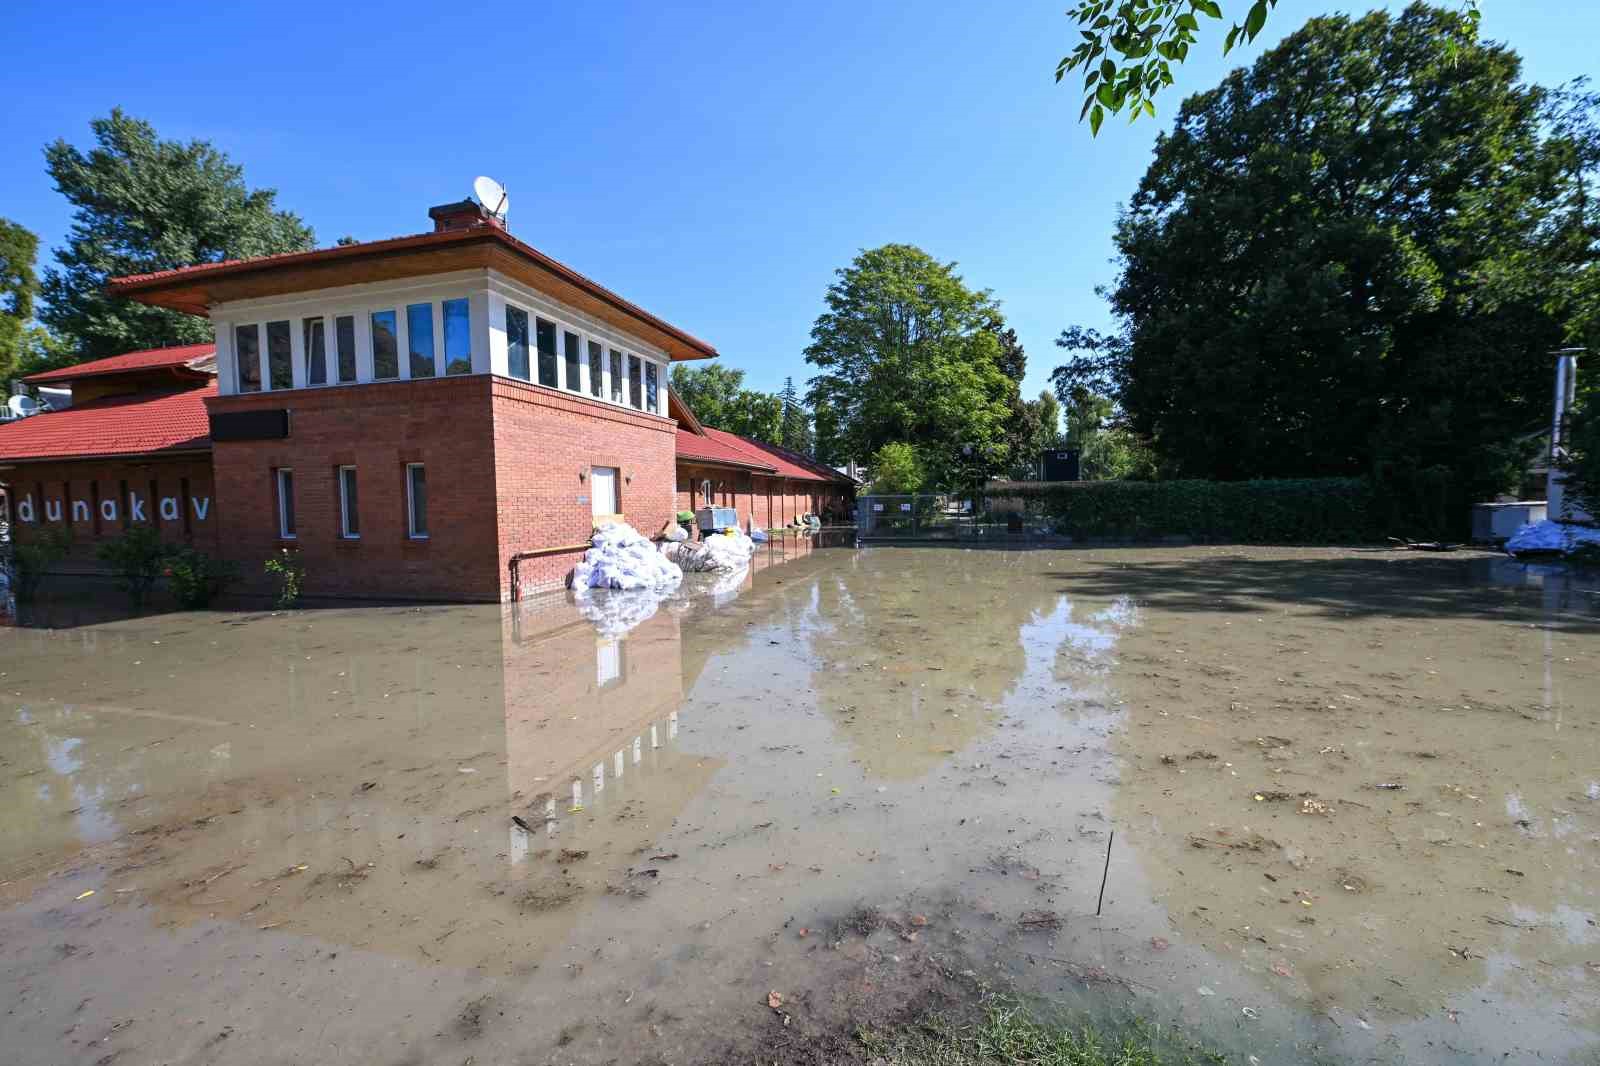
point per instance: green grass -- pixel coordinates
(1008, 1034)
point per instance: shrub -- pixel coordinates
(1301, 511)
(32, 557)
(196, 578)
(290, 573)
(896, 469)
(137, 557)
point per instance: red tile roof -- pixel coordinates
(724, 452)
(149, 359)
(139, 424)
(788, 464)
(720, 446)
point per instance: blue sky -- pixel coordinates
(714, 165)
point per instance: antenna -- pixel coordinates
(492, 195)
(22, 406)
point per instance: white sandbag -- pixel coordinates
(1548, 536)
(730, 550)
(619, 557)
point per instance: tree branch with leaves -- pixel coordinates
(1129, 48)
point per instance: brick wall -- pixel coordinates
(443, 423)
(173, 494)
(546, 444)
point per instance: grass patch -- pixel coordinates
(1006, 1033)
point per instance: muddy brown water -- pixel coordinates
(1355, 798)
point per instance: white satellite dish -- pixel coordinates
(22, 406)
(493, 195)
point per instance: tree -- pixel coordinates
(1338, 263)
(143, 204)
(18, 287)
(25, 346)
(1129, 48)
(1035, 429)
(897, 469)
(794, 432)
(717, 396)
(906, 355)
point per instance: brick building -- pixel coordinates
(440, 416)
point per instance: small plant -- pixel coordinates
(196, 578)
(138, 557)
(32, 557)
(291, 574)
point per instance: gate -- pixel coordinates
(922, 516)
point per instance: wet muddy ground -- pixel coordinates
(1355, 798)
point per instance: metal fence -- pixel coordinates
(946, 516)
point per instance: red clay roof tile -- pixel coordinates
(137, 424)
(147, 359)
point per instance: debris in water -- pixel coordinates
(1390, 786)
(775, 1000)
(1204, 991)
(85, 895)
(1160, 943)
(517, 821)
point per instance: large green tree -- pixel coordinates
(794, 432)
(906, 354)
(142, 204)
(718, 398)
(1333, 265)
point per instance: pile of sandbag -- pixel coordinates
(1537, 538)
(619, 557)
(721, 552)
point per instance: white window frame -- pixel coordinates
(285, 501)
(344, 505)
(411, 509)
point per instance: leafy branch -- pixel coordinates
(1129, 48)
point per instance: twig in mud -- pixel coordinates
(1105, 873)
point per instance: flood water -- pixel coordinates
(1355, 798)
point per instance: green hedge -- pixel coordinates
(1298, 511)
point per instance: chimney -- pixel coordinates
(465, 214)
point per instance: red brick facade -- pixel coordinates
(444, 424)
(765, 500)
(98, 500)
(546, 444)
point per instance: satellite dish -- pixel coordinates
(22, 406)
(493, 195)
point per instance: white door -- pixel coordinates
(603, 490)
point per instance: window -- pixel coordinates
(705, 493)
(545, 335)
(280, 364)
(635, 393)
(419, 338)
(385, 346)
(616, 376)
(652, 392)
(316, 351)
(349, 509)
(416, 501)
(285, 478)
(344, 338)
(597, 358)
(457, 337)
(517, 342)
(572, 348)
(247, 357)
